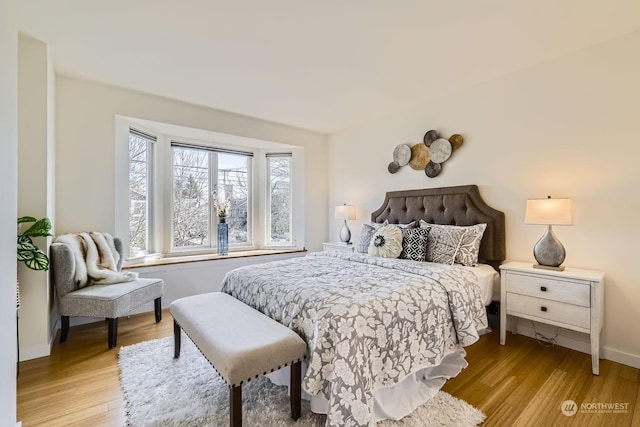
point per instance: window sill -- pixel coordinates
(210, 257)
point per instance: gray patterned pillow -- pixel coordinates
(414, 243)
(469, 248)
(366, 232)
(470, 245)
(443, 242)
(386, 242)
(412, 224)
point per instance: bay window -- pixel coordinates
(173, 174)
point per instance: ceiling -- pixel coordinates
(324, 65)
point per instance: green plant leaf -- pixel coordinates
(32, 256)
(40, 228)
(28, 251)
(39, 262)
(26, 219)
(24, 239)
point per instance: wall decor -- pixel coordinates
(419, 157)
(428, 156)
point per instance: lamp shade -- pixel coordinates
(345, 212)
(549, 212)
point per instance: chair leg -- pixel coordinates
(157, 305)
(295, 390)
(235, 406)
(64, 331)
(113, 332)
(176, 339)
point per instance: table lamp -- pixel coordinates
(549, 252)
(345, 212)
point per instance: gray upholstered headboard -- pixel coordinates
(460, 205)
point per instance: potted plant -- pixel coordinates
(32, 256)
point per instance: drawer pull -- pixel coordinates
(543, 308)
(543, 288)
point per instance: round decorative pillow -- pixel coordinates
(386, 242)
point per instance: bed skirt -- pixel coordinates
(399, 400)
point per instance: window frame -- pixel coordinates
(213, 154)
(150, 208)
(258, 209)
(268, 238)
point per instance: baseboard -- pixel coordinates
(577, 341)
(35, 352)
(621, 357)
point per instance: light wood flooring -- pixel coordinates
(520, 384)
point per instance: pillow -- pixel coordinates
(414, 244)
(443, 243)
(469, 246)
(366, 231)
(412, 224)
(386, 242)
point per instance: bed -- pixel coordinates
(383, 335)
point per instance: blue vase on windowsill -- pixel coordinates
(223, 235)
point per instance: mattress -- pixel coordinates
(488, 281)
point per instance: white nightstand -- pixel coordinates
(338, 246)
(571, 299)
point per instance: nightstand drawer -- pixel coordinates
(549, 310)
(572, 292)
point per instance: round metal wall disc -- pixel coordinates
(402, 154)
(440, 150)
(419, 157)
(393, 167)
(456, 141)
(429, 137)
(433, 169)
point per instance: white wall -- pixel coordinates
(35, 187)
(567, 128)
(8, 209)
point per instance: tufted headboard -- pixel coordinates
(460, 205)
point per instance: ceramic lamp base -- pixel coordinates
(345, 233)
(549, 252)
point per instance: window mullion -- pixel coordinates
(213, 188)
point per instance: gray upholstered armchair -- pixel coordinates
(105, 301)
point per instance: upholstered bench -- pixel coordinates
(240, 343)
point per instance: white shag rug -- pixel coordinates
(162, 391)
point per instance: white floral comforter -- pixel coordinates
(368, 322)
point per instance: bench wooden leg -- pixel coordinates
(157, 305)
(176, 339)
(295, 390)
(235, 406)
(113, 332)
(64, 331)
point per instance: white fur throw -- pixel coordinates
(386, 242)
(96, 259)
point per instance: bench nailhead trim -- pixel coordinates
(223, 378)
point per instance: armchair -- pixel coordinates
(105, 301)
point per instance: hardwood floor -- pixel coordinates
(519, 384)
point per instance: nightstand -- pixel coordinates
(571, 299)
(338, 247)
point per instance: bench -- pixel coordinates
(240, 343)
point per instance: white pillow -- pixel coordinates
(386, 242)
